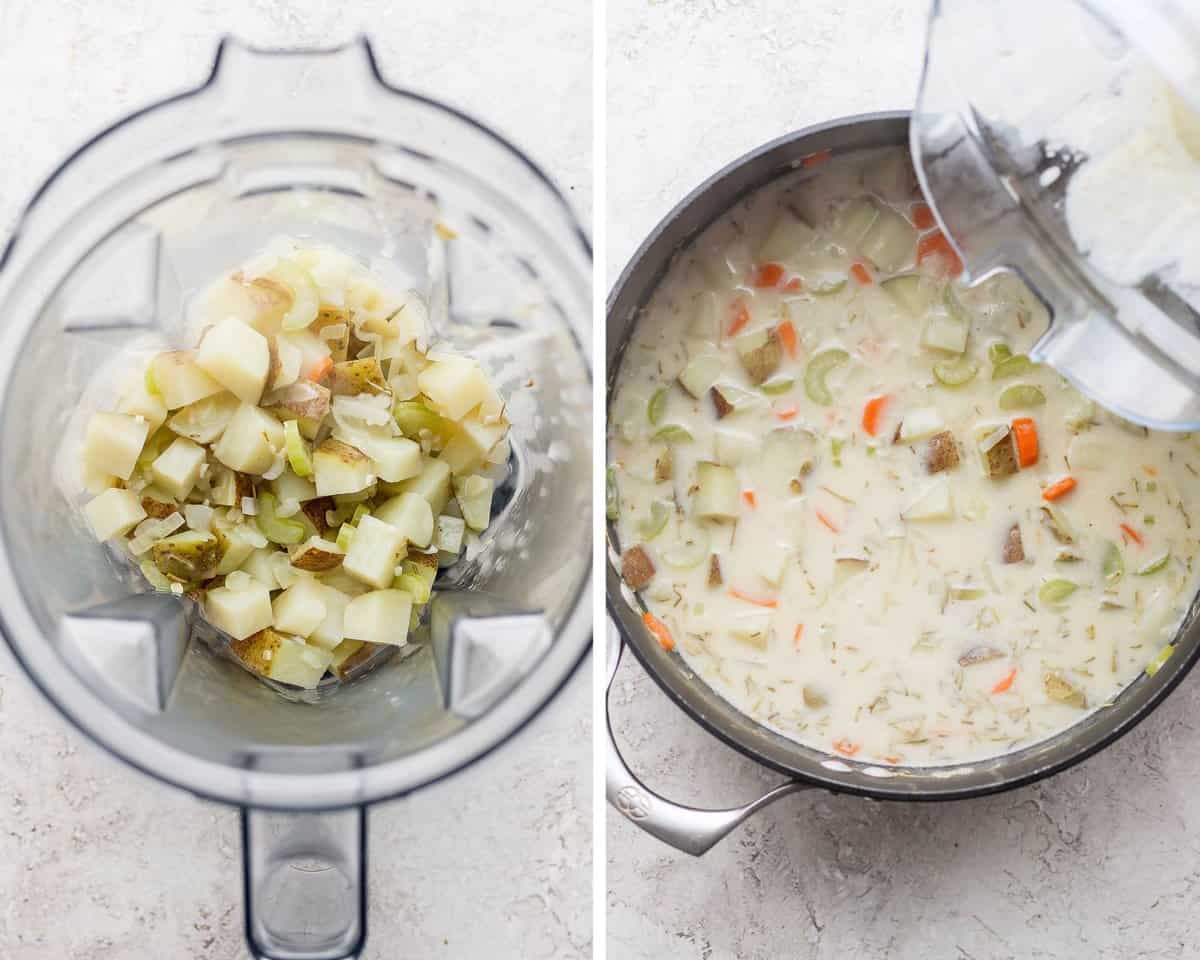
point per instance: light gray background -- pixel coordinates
(1099, 863)
(98, 862)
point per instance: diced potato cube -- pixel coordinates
(179, 381)
(177, 468)
(114, 513)
(239, 613)
(1087, 452)
(395, 458)
(919, 424)
(472, 442)
(283, 658)
(734, 446)
(339, 468)
(411, 515)
(761, 352)
(934, 503)
(373, 553)
(432, 483)
(205, 420)
(237, 550)
(381, 616)
(112, 444)
(329, 633)
(700, 374)
(300, 609)
(716, 497)
(250, 441)
(454, 386)
(236, 356)
(137, 401)
(788, 237)
(474, 496)
(771, 560)
(344, 655)
(317, 555)
(261, 566)
(450, 533)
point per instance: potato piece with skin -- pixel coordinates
(637, 569)
(112, 444)
(716, 496)
(317, 555)
(239, 613)
(236, 550)
(339, 468)
(373, 553)
(471, 443)
(330, 632)
(114, 513)
(177, 468)
(300, 609)
(409, 513)
(761, 353)
(282, 658)
(381, 616)
(344, 656)
(191, 555)
(352, 377)
(455, 386)
(179, 380)
(158, 503)
(205, 420)
(250, 441)
(236, 356)
(303, 400)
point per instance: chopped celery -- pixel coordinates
(818, 369)
(345, 536)
(690, 551)
(657, 405)
(1154, 566)
(611, 502)
(298, 453)
(835, 450)
(672, 433)
(955, 373)
(155, 576)
(1021, 395)
(1113, 565)
(660, 513)
(1013, 366)
(700, 374)
(1056, 591)
(414, 586)
(913, 291)
(412, 416)
(151, 383)
(1159, 659)
(362, 510)
(778, 385)
(275, 528)
(998, 352)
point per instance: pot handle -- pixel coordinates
(305, 883)
(687, 829)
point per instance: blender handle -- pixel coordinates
(687, 829)
(305, 883)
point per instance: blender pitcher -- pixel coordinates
(109, 253)
(1037, 124)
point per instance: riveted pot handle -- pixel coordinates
(305, 883)
(688, 829)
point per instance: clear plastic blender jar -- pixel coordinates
(314, 145)
(1061, 139)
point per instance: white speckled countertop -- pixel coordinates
(98, 862)
(1098, 863)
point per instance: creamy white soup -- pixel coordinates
(856, 508)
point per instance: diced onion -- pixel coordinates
(276, 469)
(239, 580)
(333, 331)
(252, 535)
(287, 508)
(250, 506)
(139, 545)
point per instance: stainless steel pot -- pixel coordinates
(695, 831)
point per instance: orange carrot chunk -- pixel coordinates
(748, 496)
(768, 275)
(815, 159)
(935, 244)
(861, 274)
(1025, 433)
(789, 412)
(1131, 534)
(1059, 489)
(922, 216)
(320, 369)
(741, 317)
(758, 600)
(873, 414)
(795, 285)
(787, 337)
(660, 631)
(824, 518)
(1006, 681)
(797, 636)
(846, 747)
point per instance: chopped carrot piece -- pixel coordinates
(891, 760)
(748, 496)
(795, 285)
(1059, 489)
(320, 369)
(861, 274)
(768, 275)
(1024, 431)
(1130, 534)
(660, 631)
(754, 598)
(922, 216)
(741, 317)
(1152, 471)
(824, 518)
(787, 336)
(797, 636)
(788, 412)
(873, 413)
(846, 747)
(935, 244)
(815, 159)
(1006, 681)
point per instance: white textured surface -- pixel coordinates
(98, 862)
(1098, 863)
